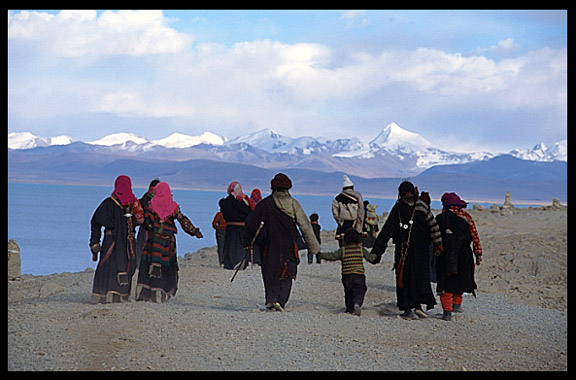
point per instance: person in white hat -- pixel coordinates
(348, 209)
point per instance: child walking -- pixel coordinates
(353, 277)
(316, 228)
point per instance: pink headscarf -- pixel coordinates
(123, 190)
(162, 202)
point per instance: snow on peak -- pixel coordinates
(27, 140)
(118, 138)
(61, 140)
(540, 152)
(393, 137)
(265, 139)
(180, 140)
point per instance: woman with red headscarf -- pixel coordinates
(235, 209)
(158, 271)
(118, 214)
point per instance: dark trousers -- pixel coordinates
(354, 290)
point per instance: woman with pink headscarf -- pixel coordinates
(158, 271)
(118, 214)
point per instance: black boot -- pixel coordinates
(447, 315)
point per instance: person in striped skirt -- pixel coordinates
(353, 278)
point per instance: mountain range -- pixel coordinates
(209, 161)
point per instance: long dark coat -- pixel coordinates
(233, 211)
(277, 243)
(455, 266)
(413, 283)
(113, 276)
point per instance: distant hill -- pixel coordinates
(394, 152)
(481, 180)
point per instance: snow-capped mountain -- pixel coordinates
(119, 138)
(26, 140)
(540, 152)
(396, 139)
(393, 152)
(180, 140)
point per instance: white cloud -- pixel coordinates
(504, 48)
(80, 33)
(130, 104)
(290, 87)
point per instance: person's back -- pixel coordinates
(348, 210)
(353, 277)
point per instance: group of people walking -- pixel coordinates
(119, 215)
(270, 229)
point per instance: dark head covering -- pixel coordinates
(281, 182)
(425, 197)
(406, 188)
(452, 199)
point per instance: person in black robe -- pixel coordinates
(410, 233)
(280, 214)
(118, 214)
(235, 209)
(455, 266)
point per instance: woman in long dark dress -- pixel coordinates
(455, 266)
(158, 271)
(119, 214)
(408, 226)
(235, 209)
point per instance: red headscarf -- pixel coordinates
(123, 190)
(162, 202)
(255, 197)
(236, 190)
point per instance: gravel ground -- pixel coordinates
(215, 325)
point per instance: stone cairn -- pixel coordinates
(14, 263)
(507, 207)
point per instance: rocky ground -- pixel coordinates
(518, 322)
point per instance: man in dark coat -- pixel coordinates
(277, 240)
(408, 226)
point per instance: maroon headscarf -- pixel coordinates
(162, 202)
(452, 199)
(123, 190)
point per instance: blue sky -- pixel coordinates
(464, 80)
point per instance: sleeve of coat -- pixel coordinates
(387, 232)
(372, 258)
(332, 255)
(361, 214)
(335, 210)
(306, 228)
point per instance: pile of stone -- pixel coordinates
(14, 263)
